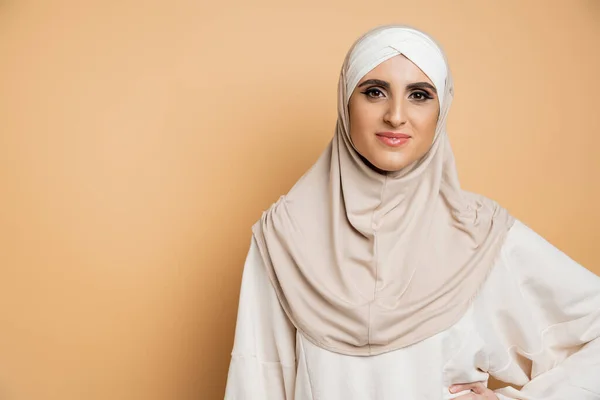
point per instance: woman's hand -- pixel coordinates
(478, 391)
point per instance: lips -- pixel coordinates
(393, 135)
(393, 139)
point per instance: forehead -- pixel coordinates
(398, 68)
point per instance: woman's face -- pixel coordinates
(393, 114)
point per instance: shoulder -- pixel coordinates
(521, 240)
(544, 271)
(526, 248)
(303, 204)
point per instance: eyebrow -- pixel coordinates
(411, 86)
(422, 85)
(377, 82)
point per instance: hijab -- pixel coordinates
(364, 262)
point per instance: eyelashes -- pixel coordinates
(423, 95)
(372, 93)
(417, 95)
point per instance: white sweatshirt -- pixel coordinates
(535, 324)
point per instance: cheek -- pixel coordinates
(363, 121)
(426, 122)
(357, 123)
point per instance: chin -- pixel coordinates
(393, 165)
(386, 161)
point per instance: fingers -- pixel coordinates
(479, 391)
(476, 387)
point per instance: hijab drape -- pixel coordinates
(363, 262)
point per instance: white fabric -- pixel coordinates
(535, 323)
(415, 45)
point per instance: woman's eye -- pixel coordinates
(373, 93)
(420, 96)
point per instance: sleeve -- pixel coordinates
(556, 354)
(263, 360)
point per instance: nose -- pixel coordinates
(395, 115)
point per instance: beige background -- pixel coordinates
(139, 140)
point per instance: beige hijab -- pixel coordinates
(364, 263)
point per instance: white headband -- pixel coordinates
(381, 46)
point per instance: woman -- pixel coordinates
(378, 277)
